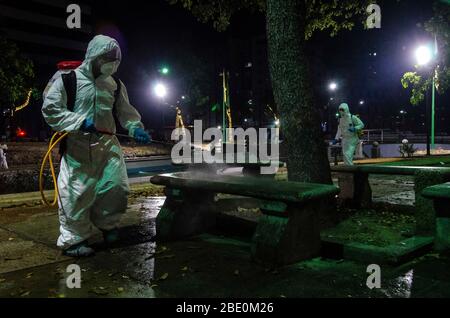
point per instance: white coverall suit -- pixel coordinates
(350, 139)
(3, 162)
(92, 182)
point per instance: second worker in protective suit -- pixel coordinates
(92, 182)
(348, 130)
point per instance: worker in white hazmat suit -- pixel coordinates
(348, 129)
(3, 161)
(92, 182)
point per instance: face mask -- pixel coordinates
(109, 69)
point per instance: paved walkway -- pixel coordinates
(209, 265)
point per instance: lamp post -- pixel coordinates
(332, 87)
(160, 90)
(425, 55)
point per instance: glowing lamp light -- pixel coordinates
(333, 86)
(423, 55)
(160, 90)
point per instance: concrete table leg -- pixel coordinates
(185, 213)
(355, 189)
(286, 233)
(425, 214)
(442, 238)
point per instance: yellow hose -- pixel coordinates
(48, 156)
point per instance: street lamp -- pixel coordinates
(424, 55)
(160, 90)
(332, 86)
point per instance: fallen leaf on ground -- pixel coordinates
(12, 258)
(184, 269)
(120, 289)
(162, 250)
(164, 276)
(98, 291)
(153, 285)
(25, 294)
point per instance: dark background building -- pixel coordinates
(40, 30)
(367, 65)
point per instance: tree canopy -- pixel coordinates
(321, 15)
(16, 74)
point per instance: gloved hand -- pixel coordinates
(334, 142)
(352, 130)
(141, 136)
(88, 126)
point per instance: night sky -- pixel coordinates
(155, 33)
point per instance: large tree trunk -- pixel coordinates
(307, 157)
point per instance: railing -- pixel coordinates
(388, 136)
(368, 133)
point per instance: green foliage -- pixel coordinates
(418, 84)
(333, 16)
(16, 74)
(439, 26)
(321, 15)
(218, 12)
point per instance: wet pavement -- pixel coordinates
(208, 265)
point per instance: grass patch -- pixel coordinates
(372, 228)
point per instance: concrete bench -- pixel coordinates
(288, 230)
(440, 194)
(355, 188)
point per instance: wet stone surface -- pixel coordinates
(209, 265)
